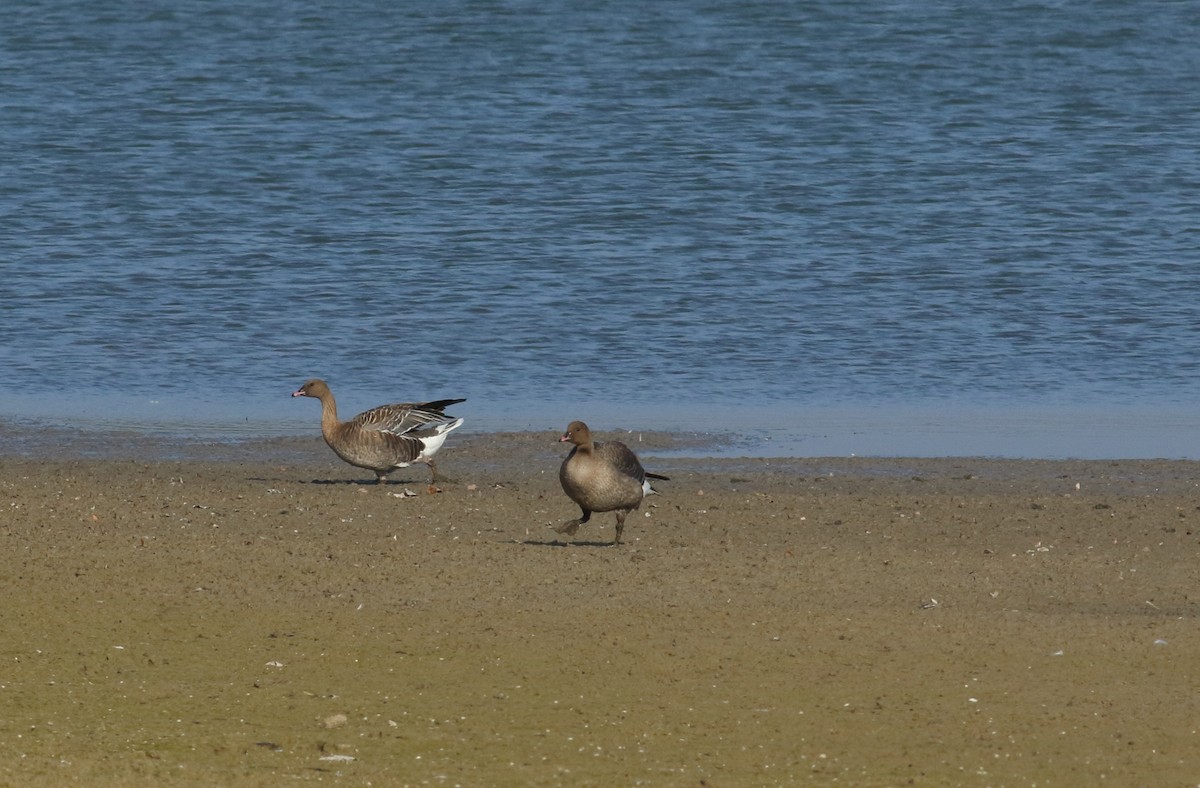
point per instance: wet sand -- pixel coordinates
(253, 615)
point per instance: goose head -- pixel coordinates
(577, 433)
(313, 388)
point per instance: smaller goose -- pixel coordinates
(601, 477)
(385, 438)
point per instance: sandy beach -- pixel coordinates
(259, 615)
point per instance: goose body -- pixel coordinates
(601, 477)
(385, 438)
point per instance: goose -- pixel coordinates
(385, 438)
(601, 477)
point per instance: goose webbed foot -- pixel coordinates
(620, 528)
(571, 526)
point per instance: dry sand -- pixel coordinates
(253, 616)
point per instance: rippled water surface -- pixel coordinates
(882, 227)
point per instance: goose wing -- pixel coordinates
(406, 419)
(622, 459)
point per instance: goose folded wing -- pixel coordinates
(620, 457)
(405, 418)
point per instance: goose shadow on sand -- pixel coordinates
(375, 483)
(563, 543)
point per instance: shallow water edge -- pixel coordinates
(820, 433)
(1033, 432)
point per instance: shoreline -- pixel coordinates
(480, 451)
(1009, 430)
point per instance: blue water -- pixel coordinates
(825, 227)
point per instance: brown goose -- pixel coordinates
(385, 438)
(601, 477)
